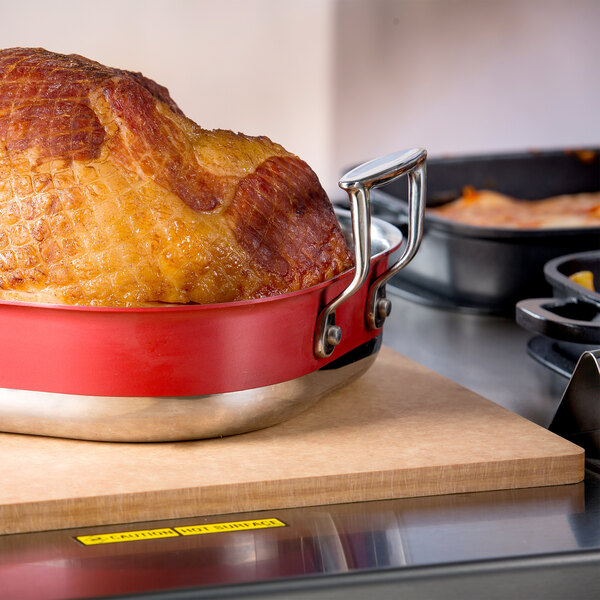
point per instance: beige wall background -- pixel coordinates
(341, 81)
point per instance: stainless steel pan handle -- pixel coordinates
(358, 183)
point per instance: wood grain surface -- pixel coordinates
(401, 430)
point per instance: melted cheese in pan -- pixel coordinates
(492, 209)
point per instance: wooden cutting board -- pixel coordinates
(399, 431)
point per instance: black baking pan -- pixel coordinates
(572, 314)
(567, 324)
(568, 328)
(489, 269)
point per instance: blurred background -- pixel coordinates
(342, 81)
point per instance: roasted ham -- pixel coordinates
(110, 196)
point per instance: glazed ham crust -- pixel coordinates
(110, 196)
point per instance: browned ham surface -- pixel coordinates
(110, 196)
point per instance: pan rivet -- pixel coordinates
(334, 335)
(384, 308)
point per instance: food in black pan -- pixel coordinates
(584, 278)
(110, 196)
(493, 209)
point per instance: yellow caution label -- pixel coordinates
(126, 536)
(232, 526)
(167, 532)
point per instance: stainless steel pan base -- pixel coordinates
(125, 419)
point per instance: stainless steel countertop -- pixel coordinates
(515, 543)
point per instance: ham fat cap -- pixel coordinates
(110, 196)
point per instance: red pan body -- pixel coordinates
(175, 351)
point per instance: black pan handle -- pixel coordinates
(566, 319)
